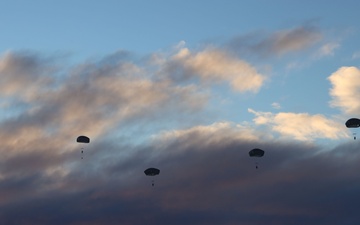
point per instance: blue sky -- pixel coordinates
(189, 87)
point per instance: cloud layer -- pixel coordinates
(207, 176)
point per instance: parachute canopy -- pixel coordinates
(83, 139)
(152, 172)
(353, 123)
(256, 152)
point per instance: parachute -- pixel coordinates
(82, 139)
(353, 123)
(152, 172)
(256, 152)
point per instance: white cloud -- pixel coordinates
(212, 66)
(345, 89)
(327, 49)
(276, 105)
(300, 126)
(180, 45)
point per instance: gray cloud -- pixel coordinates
(23, 73)
(277, 43)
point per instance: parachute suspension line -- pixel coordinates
(82, 140)
(152, 172)
(256, 153)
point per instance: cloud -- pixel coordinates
(93, 99)
(212, 66)
(345, 89)
(292, 40)
(356, 55)
(327, 49)
(207, 176)
(300, 126)
(276, 105)
(214, 133)
(23, 73)
(212, 182)
(278, 43)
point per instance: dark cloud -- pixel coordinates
(200, 183)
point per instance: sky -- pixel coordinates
(188, 87)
